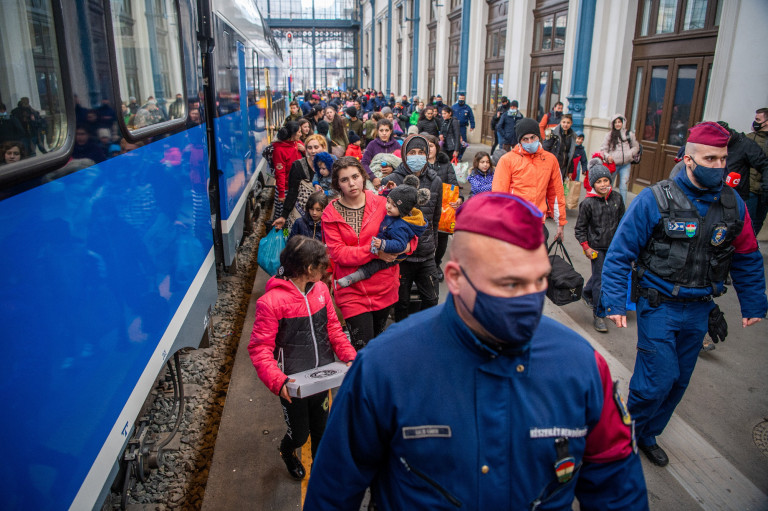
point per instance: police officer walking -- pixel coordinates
(684, 235)
(465, 405)
(462, 112)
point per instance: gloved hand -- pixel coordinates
(718, 328)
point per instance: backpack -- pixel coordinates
(565, 283)
(267, 154)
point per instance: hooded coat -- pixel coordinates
(626, 150)
(375, 147)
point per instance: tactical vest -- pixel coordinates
(685, 248)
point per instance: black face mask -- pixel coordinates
(757, 126)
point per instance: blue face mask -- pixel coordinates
(531, 148)
(510, 320)
(416, 162)
(708, 177)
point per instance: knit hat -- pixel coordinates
(411, 143)
(413, 130)
(386, 110)
(514, 103)
(350, 111)
(502, 216)
(405, 196)
(596, 170)
(353, 137)
(527, 126)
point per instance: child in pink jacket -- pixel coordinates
(296, 329)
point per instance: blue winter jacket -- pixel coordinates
(396, 232)
(431, 418)
(632, 237)
(463, 114)
(307, 227)
(506, 127)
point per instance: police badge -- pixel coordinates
(718, 235)
(690, 229)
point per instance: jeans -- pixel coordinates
(758, 209)
(595, 283)
(424, 274)
(669, 339)
(622, 171)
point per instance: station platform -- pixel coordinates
(714, 462)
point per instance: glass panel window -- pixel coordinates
(718, 11)
(665, 22)
(560, 31)
(537, 35)
(681, 111)
(158, 61)
(542, 95)
(546, 43)
(554, 94)
(655, 103)
(495, 45)
(502, 42)
(33, 120)
(646, 22)
(636, 100)
(695, 14)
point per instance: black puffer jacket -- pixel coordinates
(744, 154)
(444, 170)
(598, 219)
(451, 135)
(431, 210)
(430, 126)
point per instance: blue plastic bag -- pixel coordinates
(269, 250)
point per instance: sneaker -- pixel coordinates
(599, 324)
(587, 301)
(655, 454)
(440, 275)
(708, 344)
(293, 464)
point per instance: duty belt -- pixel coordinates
(655, 297)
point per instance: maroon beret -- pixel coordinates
(709, 133)
(503, 216)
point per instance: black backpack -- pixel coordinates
(267, 154)
(565, 283)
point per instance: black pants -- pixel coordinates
(595, 284)
(373, 266)
(424, 274)
(304, 417)
(366, 326)
(442, 245)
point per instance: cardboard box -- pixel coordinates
(314, 381)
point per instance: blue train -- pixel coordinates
(131, 134)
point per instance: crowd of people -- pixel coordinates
(413, 435)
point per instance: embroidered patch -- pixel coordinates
(556, 432)
(564, 469)
(675, 226)
(432, 431)
(718, 235)
(690, 229)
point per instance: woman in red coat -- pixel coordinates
(349, 224)
(285, 153)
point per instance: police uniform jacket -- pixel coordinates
(463, 114)
(634, 233)
(431, 418)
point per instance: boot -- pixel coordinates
(293, 464)
(599, 324)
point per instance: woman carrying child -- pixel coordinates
(350, 223)
(481, 177)
(296, 329)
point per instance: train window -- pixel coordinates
(149, 71)
(33, 119)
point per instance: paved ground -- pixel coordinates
(712, 441)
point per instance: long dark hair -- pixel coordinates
(479, 156)
(299, 254)
(616, 138)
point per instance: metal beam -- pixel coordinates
(313, 23)
(389, 48)
(466, 12)
(415, 23)
(582, 56)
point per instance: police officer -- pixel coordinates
(684, 235)
(462, 112)
(481, 403)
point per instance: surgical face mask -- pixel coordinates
(416, 162)
(531, 147)
(708, 177)
(511, 320)
(511, 112)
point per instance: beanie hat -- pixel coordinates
(386, 110)
(514, 103)
(405, 196)
(413, 130)
(527, 126)
(353, 137)
(350, 111)
(596, 170)
(411, 143)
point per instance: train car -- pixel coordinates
(121, 183)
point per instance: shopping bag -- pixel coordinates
(461, 170)
(448, 214)
(574, 192)
(269, 250)
(565, 283)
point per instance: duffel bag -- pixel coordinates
(565, 283)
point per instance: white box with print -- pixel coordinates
(314, 381)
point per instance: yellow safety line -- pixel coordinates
(306, 454)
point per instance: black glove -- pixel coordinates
(718, 328)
